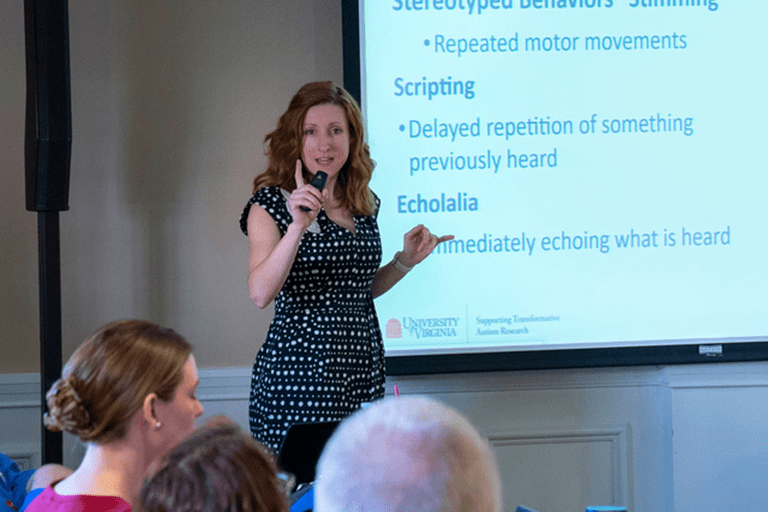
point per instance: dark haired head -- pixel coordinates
(217, 469)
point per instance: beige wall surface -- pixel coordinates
(170, 105)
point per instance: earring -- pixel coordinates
(158, 424)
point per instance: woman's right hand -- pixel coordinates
(307, 196)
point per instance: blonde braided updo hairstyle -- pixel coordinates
(108, 377)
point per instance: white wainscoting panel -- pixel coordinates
(26, 455)
(20, 418)
(563, 469)
(225, 391)
(655, 439)
(720, 416)
(565, 439)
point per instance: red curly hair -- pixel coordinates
(284, 147)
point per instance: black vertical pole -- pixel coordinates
(350, 42)
(50, 322)
(47, 155)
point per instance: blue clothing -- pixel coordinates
(306, 502)
(13, 483)
(34, 493)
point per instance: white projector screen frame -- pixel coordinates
(598, 162)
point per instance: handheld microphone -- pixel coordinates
(318, 181)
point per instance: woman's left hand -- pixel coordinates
(419, 243)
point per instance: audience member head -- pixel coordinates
(126, 367)
(217, 469)
(284, 146)
(407, 454)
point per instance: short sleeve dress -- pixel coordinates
(323, 356)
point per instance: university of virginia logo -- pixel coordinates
(423, 327)
(394, 329)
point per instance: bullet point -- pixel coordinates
(426, 42)
(402, 127)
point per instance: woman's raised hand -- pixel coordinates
(305, 196)
(419, 243)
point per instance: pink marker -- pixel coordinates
(397, 393)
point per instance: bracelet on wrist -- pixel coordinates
(399, 266)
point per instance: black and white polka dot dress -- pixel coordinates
(323, 356)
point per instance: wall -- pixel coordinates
(720, 426)
(171, 101)
(170, 105)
